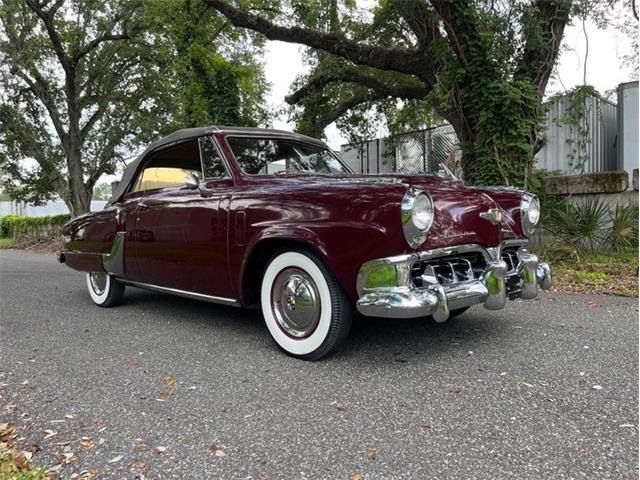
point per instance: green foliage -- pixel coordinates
(581, 276)
(537, 185)
(87, 82)
(624, 227)
(591, 227)
(13, 225)
(215, 74)
(102, 191)
(80, 84)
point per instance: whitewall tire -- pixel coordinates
(104, 289)
(307, 313)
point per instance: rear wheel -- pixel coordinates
(105, 290)
(304, 307)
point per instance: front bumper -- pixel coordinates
(401, 298)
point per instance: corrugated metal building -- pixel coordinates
(562, 151)
(628, 127)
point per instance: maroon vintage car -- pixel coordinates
(255, 217)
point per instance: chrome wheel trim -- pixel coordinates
(295, 302)
(98, 281)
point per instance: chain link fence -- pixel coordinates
(413, 152)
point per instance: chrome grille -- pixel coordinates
(450, 269)
(509, 255)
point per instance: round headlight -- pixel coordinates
(422, 212)
(529, 212)
(417, 216)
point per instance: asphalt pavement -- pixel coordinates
(167, 387)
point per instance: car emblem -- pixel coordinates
(493, 215)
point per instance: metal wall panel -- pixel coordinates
(559, 151)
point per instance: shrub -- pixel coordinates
(624, 227)
(16, 225)
(591, 226)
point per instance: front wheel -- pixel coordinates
(105, 290)
(304, 307)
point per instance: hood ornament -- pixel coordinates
(492, 215)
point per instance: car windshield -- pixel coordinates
(267, 156)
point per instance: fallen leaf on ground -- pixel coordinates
(424, 426)
(86, 442)
(372, 453)
(592, 303)
(50, 433)
(22, 459)
(159, 449)
(115, 459)
(455, 391)
(162, 396)
(170, 381)
(356, 476)
(217, 451)
(132, 362)
(338, 406)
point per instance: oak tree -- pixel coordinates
(482, 65)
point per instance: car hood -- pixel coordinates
(457, 218)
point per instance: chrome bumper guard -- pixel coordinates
(392, 293)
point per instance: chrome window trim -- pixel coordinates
(276, 136)
(147, 157)
(225, 163)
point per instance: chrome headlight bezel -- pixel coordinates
(414, 234)
(529, 213)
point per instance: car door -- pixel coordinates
(181, 233)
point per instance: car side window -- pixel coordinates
(213, 165)
(169, 167)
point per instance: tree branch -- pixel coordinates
(410, 90)
(39, 88)
(320, 119)
(56, 41)
(97, 41)
(542, 46)
(400, 60)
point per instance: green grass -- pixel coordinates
(612, 273)
(6, 242)
(12, 468)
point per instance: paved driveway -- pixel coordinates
(543, 389)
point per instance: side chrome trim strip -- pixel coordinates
(183, 293)
(113, 262)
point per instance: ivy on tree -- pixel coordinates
(483, 66)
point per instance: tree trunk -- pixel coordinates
(79, 197)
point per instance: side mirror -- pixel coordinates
(192, 182)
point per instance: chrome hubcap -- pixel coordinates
(296, 302)
(98, 282)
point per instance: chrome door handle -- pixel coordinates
(142, 206)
